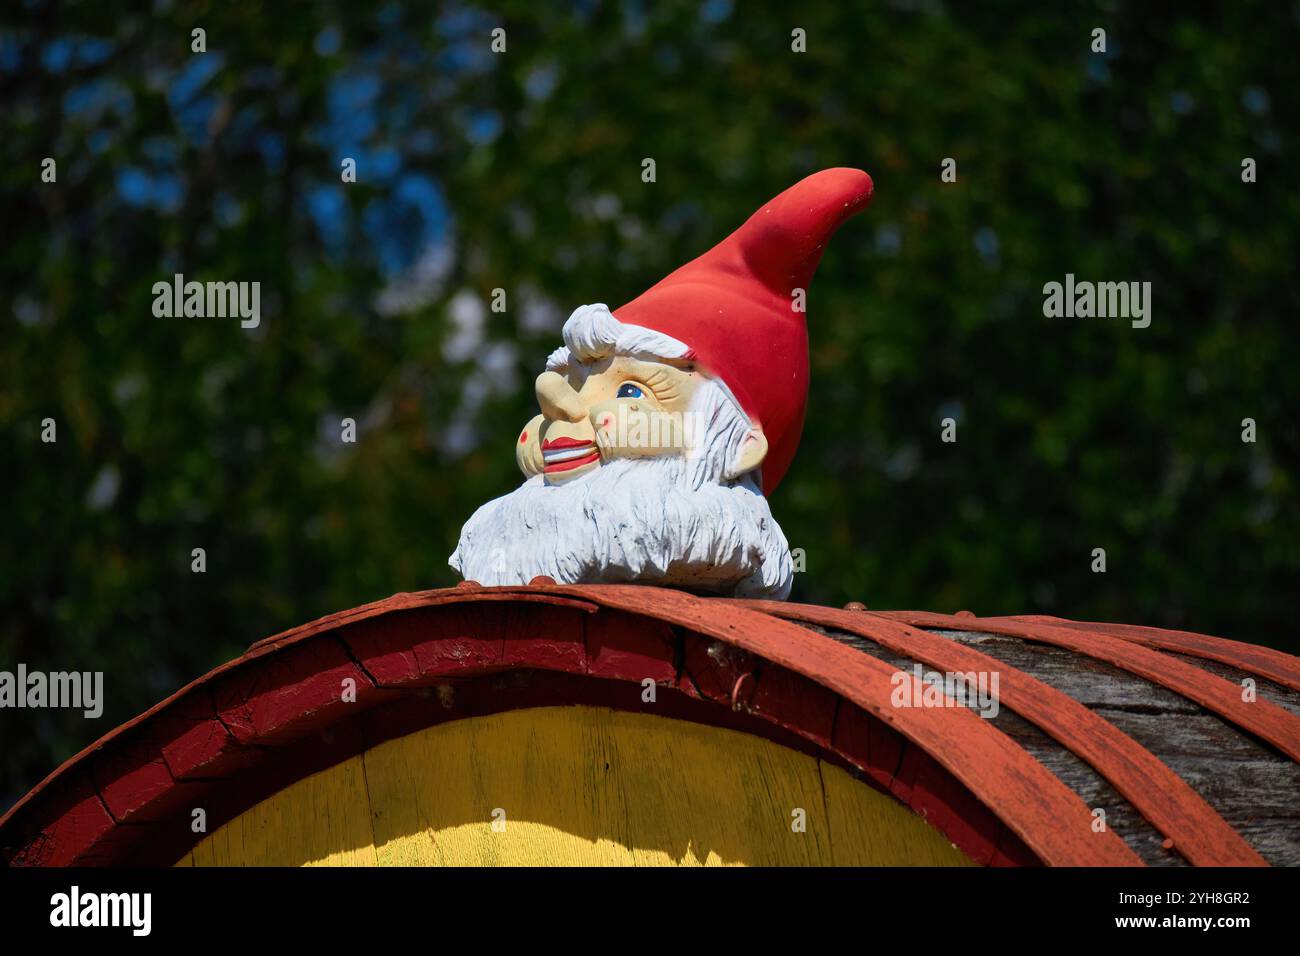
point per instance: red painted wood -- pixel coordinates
(1160, 795)
(547, 637)
(291, 693)
(464, 641)
(77, 820)
(195, 743)
(630, 647)
(885, 749)
(135, 783)
(415, 599)
(713, 667)
(795, 701)
(1267, 721)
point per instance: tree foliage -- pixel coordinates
(522, 171)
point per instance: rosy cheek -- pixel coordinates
(523, 437)
(606, 420)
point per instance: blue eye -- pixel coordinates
(628, 390)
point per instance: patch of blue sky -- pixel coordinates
(270, 145)
(133, 186)
(328, 41)
(350, 107)
(144, 189)
(191, 107)
(388, 235)
(375, 166)
(482, 126)
(460, 22)
(420, 191)
(93, 98)
(91, 51)
(82, 97)
(195, 117)
(715, 11)
(383, 163)
(403, 225)
(331, 214)
(193, 76)
(57, 55)
(468, 34)
(541, 81)
(470, 57)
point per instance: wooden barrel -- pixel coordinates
(625, 725)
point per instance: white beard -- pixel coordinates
(647, 520)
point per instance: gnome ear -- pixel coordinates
(752, 451)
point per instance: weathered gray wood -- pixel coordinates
(1092, 788)
(1251, 785)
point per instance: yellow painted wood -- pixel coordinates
(578, 786)
(592, 786)
(880, 831)
(321, 820)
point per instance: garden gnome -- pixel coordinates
(665, 423)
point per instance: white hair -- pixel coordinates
(591, 333)
(673, 520)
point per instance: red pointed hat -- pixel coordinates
(734, 306)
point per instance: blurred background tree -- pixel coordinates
(522, 171)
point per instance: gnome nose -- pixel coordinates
(557, 399)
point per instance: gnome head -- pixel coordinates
(664, 422)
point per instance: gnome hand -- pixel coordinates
(528, 450)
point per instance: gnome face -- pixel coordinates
(615, 407)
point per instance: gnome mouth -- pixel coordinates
(565, 454)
